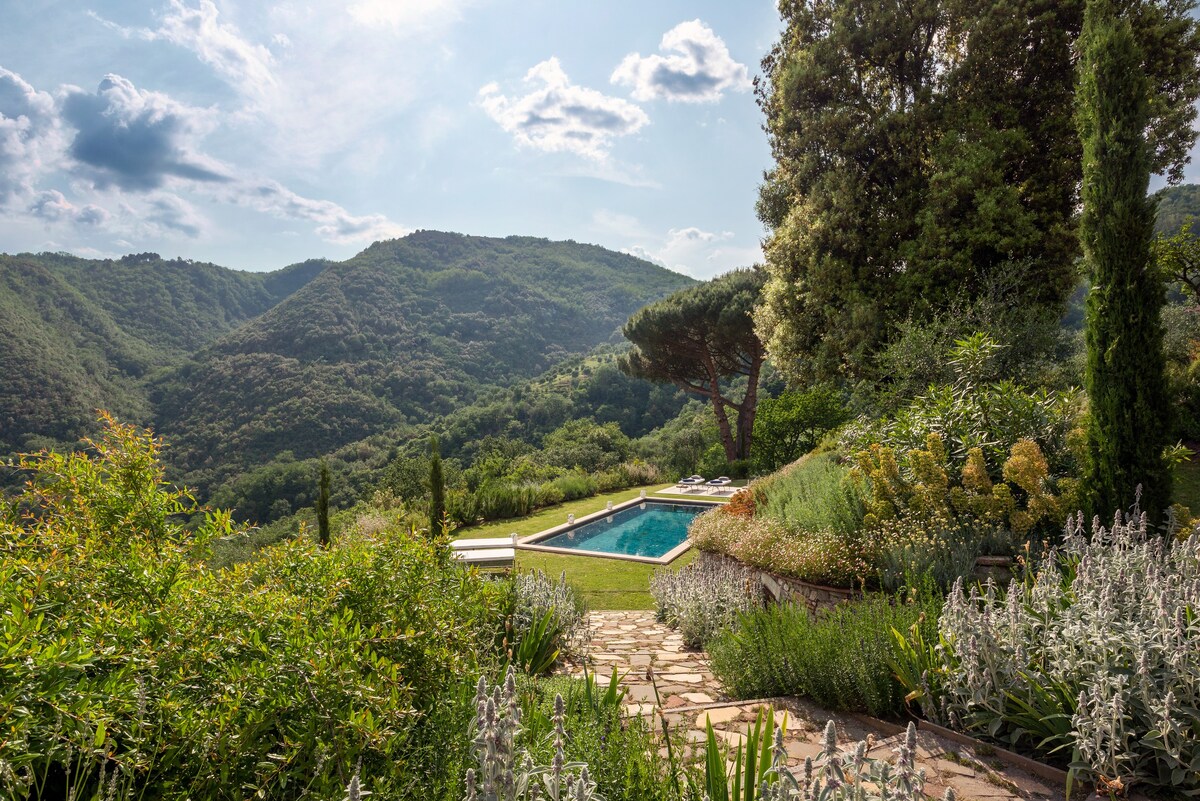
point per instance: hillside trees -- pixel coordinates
(700, 337)
(437, 490)
(1125, 383)
(922, 146)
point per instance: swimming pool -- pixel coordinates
(649, 530)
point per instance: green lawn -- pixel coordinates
(603, 583)
(1187, 484)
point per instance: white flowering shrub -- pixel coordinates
(538, 595)
(504, 770)
(1096, 655)
(848, 775)
(704, 597)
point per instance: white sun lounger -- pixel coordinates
(484, 543)
(717, 484)
(686, 484)
(487, 557)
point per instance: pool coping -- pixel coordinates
(529, 543)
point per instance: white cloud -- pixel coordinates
(333, 223)
(141, 149)
(560, 117)
(31, 139)
(52, 206)
(691, 250)
(697, 69)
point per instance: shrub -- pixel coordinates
(787, 427)
(841, 659)
(704, 597)
(575, 485)
(943, 548)
(815, 494)
(821, 557)
(538, 595)
(1096, 652)
(298, 664)
(577, 746)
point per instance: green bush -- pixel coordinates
(787, 427)
(840, 659)
(814, 495)
(273, 678)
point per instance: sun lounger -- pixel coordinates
(486, 558)
(484, 543)
(686, 484)
(717, 484)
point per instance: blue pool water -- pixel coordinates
(650, 529)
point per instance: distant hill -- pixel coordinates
(1175, 205)
(83, 334)
(238, 369)
(407, 330)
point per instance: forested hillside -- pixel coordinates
(239, 370)
(1175, 205)
(83, 334)
(407, 330)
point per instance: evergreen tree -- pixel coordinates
(323, 505)
(699, 337)
(924, 148)
(1125, 382)
(437, 490)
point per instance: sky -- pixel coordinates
(259, 134)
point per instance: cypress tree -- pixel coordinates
(437, 490)
(1125, 381)
(323, 506)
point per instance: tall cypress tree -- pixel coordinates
(437, 490)
(1125, 382)
(323, 506)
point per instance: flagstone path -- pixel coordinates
(648, 654)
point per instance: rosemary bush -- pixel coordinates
(704, 597)
(840, 659)
(1095, 654)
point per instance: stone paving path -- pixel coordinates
(689, 694)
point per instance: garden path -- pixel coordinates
(639, 646)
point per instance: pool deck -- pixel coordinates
(530, 543)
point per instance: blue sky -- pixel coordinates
(258, 134)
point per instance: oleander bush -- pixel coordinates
(704, 597)
(126, 662)
(1093, 660)
(841, 658)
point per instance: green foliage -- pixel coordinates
(1090, 661)
(1177, 208)
(437, 491)
(975, 413)
(83, 334)
(814, 495)
(273, 678)
(1128, 406)
(791, 425)
(919, 151)
(841, 659)
(699, 337)
(331, 365)
(584, 445)
(323, 537)
(754, 765)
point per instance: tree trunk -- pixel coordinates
(719, 403)
(748, 408)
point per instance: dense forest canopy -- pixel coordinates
(239, 370)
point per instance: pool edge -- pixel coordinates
(529, 543)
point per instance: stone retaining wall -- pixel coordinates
(817, 597)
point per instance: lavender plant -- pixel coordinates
(704, 597)
(1096, 653)
(846, 775)
(539, 595)
(505, 771)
